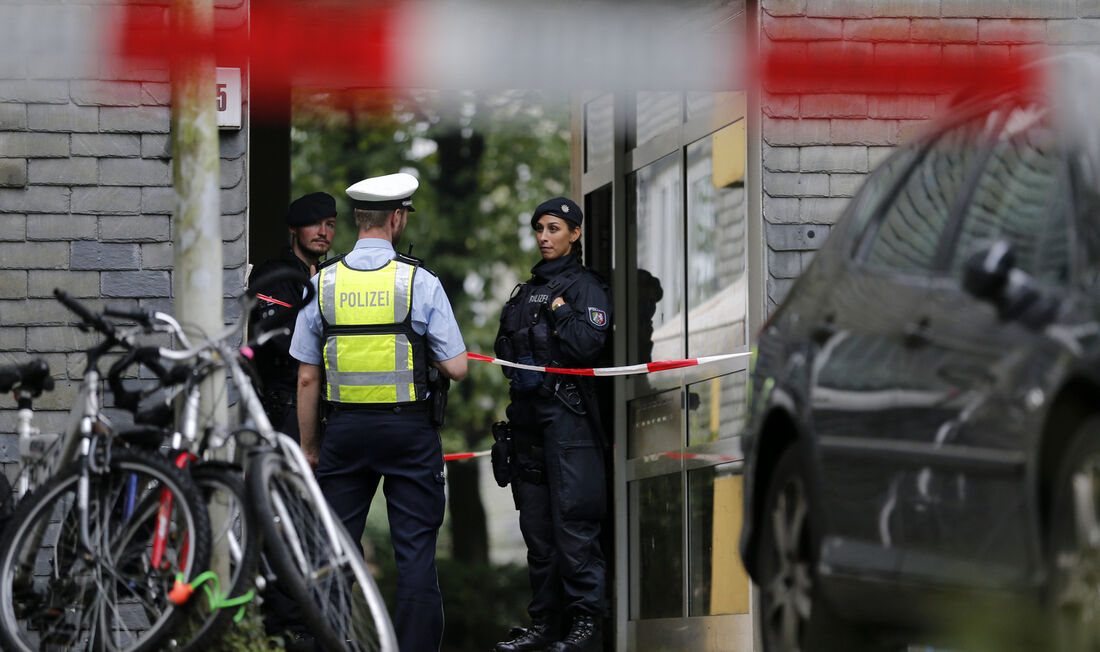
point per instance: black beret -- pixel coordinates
(310, 209)
(562, 207)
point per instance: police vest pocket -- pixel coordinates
(570, 396)
(582, 492)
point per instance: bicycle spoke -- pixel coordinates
(109, 598)
(326, 564)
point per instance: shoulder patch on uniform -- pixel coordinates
(330, 261)
(597, 317)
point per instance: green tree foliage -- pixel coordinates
(484, 162)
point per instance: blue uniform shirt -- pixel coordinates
(431, 311)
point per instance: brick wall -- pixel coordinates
(86, 196)
(819, 146)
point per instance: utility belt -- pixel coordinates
(435, 405)
(336, 407)
(566, 390)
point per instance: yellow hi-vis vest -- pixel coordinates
(372, 355)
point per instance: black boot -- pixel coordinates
(537, 637)
(583, 636)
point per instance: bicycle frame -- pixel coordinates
(293, 454)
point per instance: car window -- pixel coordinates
(1087, 207)
(908, 231)
(878, 186)
(1022, 196)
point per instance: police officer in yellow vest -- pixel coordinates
(365, 345)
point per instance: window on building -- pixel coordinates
(686, 248)
(717, 282)
(717, 582)
(657, 112)
(728, 105)
(657, 559)
(716, 408)
(659, 235)
(599, 130)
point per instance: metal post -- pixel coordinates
(197, 242)
(197, 277)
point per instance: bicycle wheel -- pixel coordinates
(233, 528)
(322, 570)
(57, 595)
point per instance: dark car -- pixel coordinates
(923, 447)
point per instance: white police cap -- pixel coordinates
(387, 192)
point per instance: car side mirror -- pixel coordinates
(986, 271)
(990, 274)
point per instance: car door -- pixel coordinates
(968, 506)
(863, 380)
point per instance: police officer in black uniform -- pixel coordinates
(560, 317)
(312, 222)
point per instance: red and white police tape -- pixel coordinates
(451, 457)
(645, 368)
(268, 299)
(628, 370)
(705, 457)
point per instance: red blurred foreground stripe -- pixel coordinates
(316, 43)
(787, 69)
(285, 44)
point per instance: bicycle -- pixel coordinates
(233, 526)
(310, 552)
(28, 381)
(84, 563)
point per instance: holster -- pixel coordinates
(502, 453)
(439, 385)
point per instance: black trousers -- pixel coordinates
(560, 516)
(362, 447)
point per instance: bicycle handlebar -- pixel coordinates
(140, 316)
(87, 316)
(33, 376)
(146, 355)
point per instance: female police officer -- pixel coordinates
(559, 318)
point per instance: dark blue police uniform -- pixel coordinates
(279, 373)
(558, 478)
(277, 369)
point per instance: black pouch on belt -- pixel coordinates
(439, 385)
(501, 453)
